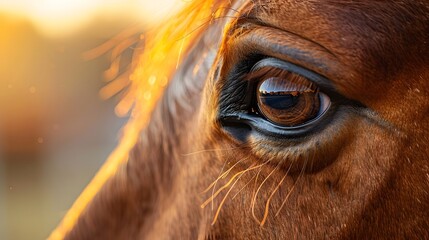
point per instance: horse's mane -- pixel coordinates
(143, 83)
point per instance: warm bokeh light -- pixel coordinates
(152, 69)
(55, 131)
(62, 17)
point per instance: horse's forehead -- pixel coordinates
(354, 30)
(357, 15)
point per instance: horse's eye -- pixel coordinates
(289, 99)
(275, 98)
(286, 98)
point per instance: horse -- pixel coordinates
(271, 120)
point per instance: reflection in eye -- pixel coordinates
(288, 99)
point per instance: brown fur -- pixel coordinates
(371, 177)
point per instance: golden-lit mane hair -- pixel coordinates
(144, 83)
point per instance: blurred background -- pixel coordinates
(55, 131)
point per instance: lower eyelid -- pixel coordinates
(286, 151)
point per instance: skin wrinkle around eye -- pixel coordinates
(272, 43)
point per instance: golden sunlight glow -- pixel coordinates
(153, 67)
(61, 17)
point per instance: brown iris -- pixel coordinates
(286, 98)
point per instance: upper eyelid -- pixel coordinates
(319, 80)
(267, 41)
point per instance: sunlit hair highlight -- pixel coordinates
(158, 54)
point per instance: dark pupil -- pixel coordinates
(288, 101)
(279, 101)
